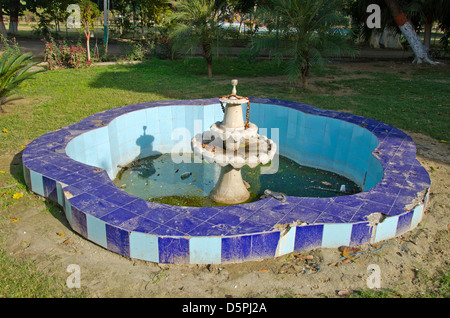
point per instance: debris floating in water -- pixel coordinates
(186, 175)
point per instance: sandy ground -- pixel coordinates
(47, 239)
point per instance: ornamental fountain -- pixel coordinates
(233, 143)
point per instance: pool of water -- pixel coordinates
(160, 179)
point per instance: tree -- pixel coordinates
(13, 8)
(425, 13)
(89, 12)
(408, 31)
(408, 16)
(306, 32)
(194, 24)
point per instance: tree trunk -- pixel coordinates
(207, 54)
(2, 24)
(88, 49)
(408, 32)
(427, 34)
(14, 17)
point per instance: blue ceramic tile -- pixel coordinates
(87, 184)
(236, 249)
(344, 212)
(286, 242)
(144, 246)
(96, 230)
(361, 234)
(118, 240)
(319, 204)
(335, 235)
(308, 237)
(173, 250)
(118, 216)
(328, 218)
(404, 223)
(166, 231)
(121, 198)
(100, 208)
(82, 201)
(205, 250)
(224, 217)
(160, 215)
(37, 183)
(386, 229)
(105, 191)
(301, 214)
(183, 222)
(247, 226)
(264, 245)
(50, 190)
(350, 201)
(78, 222)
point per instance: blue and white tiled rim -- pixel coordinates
(73, 166)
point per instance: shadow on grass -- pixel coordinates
(182, 79)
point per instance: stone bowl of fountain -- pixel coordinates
(233, 143)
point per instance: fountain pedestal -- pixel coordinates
(233, 144)
(230, 188)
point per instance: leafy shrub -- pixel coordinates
(14, 69)
(65, 56)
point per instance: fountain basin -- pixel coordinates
(74, 166)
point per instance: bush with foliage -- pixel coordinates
(65, 56)
(14, 69)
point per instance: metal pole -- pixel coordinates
(105, 24)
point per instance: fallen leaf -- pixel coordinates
(445, 141)
(264, 270)
(67, 241)
(13, 219)
(307, 257)
(17, 195)
(60, 234)
(347, 260)
(2, 172)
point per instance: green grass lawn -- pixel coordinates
(415, 101)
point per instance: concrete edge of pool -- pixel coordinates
(108, 216)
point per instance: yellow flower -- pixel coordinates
(2, 172)
(17, 195)
(5, 130)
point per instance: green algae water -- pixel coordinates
(159, 179)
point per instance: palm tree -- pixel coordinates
(305, 34)
(196, 25)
